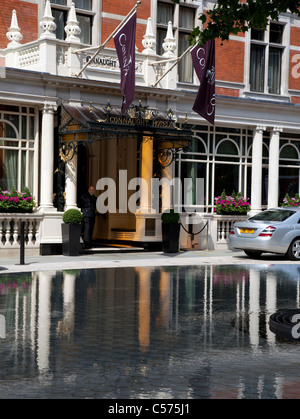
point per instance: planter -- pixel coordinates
(232, 213)
(170, 237)
(71, 239)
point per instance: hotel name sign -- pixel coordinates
(142, 122)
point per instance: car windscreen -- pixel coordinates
(272, 215)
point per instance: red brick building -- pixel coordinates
(253, 147)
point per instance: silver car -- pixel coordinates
(276, 230)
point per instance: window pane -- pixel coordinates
(288, 182)
(161, 35)
(226, 177)
(276, 31)
(85, 23)
(185, 67)
(83, 4)
(257, 68)
(274, 71)
(257, 34)
(289, 152)
(193, 171)
(63, 2)
(164, 13)
(186, 18)
(59, 17)
(8, 169)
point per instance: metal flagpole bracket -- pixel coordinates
(172, 66)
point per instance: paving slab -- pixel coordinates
(112, 258)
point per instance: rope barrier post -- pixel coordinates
(22, 243)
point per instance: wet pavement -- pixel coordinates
(110, 258)
(133, 325)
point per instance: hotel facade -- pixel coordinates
(61, 127)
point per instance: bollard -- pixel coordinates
(22, 243)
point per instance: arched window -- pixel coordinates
(288, 171)
(227, 167)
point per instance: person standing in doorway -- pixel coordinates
(88, 209)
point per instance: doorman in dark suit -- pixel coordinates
(88, 209)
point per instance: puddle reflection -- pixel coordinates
(179, 332)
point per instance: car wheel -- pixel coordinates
(253, 253)
(294, 250)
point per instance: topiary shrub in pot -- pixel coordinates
(170, 224)
(71, 229)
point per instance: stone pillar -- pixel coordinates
(146, 174)
(169, 46)
(166, 196)
(273, 184)
(71, 183)
(256, 177)
(47, 154)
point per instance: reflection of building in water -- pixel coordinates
(112, 315)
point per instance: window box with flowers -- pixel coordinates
(234, 204)
(16, 202)
(291, 202)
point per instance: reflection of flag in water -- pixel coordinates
(125, 46)
(204, 64)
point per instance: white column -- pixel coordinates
(47, 154)
(146, 174)
(256, 178)
(166, 179)
(273, 184)
(71, 183)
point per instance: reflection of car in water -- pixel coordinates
(276, 230)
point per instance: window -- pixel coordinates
(289, 166)
(165, 14)
(17, 147)
(183, 21)
(85, 19)
(266, 54)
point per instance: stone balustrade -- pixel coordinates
(67, 57)
(10, 230)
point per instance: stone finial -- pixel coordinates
(169, 44)
(14, 32)
(72, 28)
(47, 23)
(149, 41)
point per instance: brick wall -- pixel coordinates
(27, 14)
(294, 64)
(121, 9)
(230, 61)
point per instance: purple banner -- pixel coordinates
(204, 64)
(125, 46)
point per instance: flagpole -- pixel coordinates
(172, 66)
(102, 46)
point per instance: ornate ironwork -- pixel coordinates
(83, 125)
(166, 157)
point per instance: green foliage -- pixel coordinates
(291, 202)
(231, 17)
(235, 204)
(170, 216)
(16, 202)
(72, 216)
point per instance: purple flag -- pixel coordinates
(204, 64)
(125, 46)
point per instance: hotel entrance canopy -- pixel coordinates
(86, 124)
